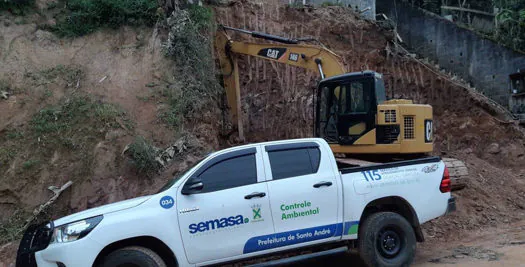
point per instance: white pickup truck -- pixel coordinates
(252, 201)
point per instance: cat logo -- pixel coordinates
(428, 131)
(273, 53)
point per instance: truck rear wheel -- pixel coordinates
(133, 257)
(387, 239)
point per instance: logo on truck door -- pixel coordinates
(216, 224)
(256, 209)
(273, 53)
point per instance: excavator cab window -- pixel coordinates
(380, 90)
(354, 99)
(347, 107)
(327, 114)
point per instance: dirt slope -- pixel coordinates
(124, 68)
(127, 59)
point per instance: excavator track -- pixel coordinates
(458, 173)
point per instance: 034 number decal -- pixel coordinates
(371, 176)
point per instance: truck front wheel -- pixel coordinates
(387, 239)
(133, 257)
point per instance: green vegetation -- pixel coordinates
(30, 164)
(152, 84)
(17, 7)
(85, 16)
(51, 5)
(201, 17)
(189, 44)
(510, 28)
(6, 155)
(47, 93)
(143, 155)
(75, 112)
(13, 228)
(106, 113)
(71, 74)
(4, 86)
(14, 134)
(74, 126)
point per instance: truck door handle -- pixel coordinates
(255, 194)
(317, 185)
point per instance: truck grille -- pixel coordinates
(409, 127)
(36, 238)
(390, 116)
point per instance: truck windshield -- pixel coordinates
(179, 175)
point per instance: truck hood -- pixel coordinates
(117, 206)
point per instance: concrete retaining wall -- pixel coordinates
(483, 63)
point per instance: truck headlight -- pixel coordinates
(75, 230)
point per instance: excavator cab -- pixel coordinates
(347, 106)
(354, 117)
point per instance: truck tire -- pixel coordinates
(387, 239)
(133, 256)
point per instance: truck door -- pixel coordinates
(304, 195)
(222, 205)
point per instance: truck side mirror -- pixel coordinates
(192, 186)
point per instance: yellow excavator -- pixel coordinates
(352, 112)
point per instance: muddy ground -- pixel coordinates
(491, 247)
(127, 68)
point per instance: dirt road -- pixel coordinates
(503, 246)
(506, 256)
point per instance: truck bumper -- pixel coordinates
(451, 207)
(35, 250)
(80, 253)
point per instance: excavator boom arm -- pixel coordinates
(288, 51)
